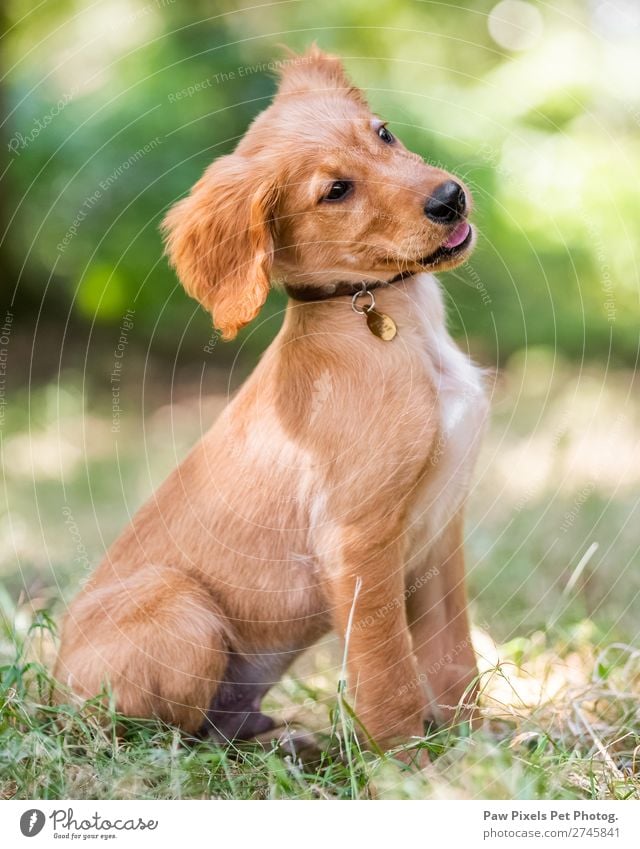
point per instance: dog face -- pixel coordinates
(317, 191)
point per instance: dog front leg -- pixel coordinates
(366, 594)
(439, 624)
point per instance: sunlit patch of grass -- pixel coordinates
(570, 710)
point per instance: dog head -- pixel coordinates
(317, 191)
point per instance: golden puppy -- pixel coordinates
(329, 494)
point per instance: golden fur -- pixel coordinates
(342, 459)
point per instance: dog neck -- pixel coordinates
(340, 289)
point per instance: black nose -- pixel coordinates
(447, 203)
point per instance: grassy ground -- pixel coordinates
(554, 583)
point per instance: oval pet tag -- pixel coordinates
(381, 325)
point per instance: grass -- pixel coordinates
(554, 584)
(582, 744)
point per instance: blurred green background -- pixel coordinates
(114, 109)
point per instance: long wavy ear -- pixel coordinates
(219, 241)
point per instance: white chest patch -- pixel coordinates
(463, 408)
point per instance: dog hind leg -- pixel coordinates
(156, 637)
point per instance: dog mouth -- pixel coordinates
(453, 246)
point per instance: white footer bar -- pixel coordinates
(319, 824)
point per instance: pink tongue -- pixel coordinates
(458, 236)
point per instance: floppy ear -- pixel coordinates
(220, 243)
(315, 71)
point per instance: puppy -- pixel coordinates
(330, 492)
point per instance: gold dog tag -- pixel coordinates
(381, 325)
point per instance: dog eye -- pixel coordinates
(385, 135)
(338, 190)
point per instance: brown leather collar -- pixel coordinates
(342, 288)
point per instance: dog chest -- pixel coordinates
(462, 410)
